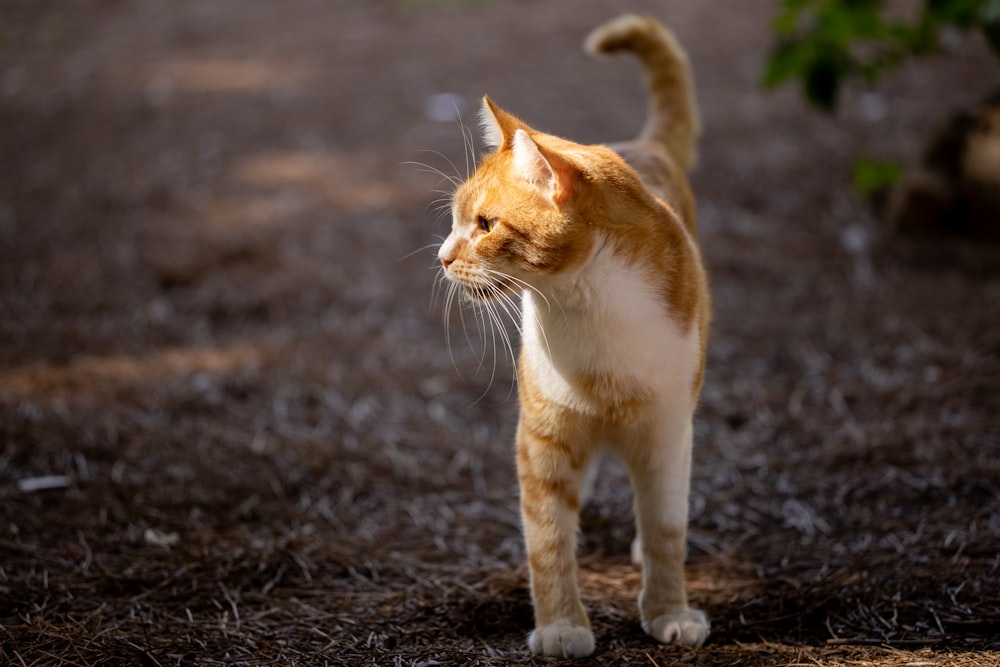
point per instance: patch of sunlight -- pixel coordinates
(275, 189)
(288, 169)
(220, 75)
(344, 180)
(610, 580)
(258, 209)
(97, 374)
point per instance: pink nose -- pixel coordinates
(447, 255)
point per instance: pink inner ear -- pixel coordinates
(563, 191)
(543, 168)
(529, 161)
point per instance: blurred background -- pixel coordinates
(238, 425)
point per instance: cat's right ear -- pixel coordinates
(497, 125)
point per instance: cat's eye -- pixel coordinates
(486, 224)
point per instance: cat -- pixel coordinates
(614, 320)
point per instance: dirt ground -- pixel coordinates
(234, 431)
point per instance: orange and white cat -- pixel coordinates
(600, 245)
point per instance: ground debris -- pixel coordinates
(231, 433)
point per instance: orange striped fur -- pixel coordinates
(599, 245)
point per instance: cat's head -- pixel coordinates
(519, 218)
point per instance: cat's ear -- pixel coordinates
(497, 125)
(543, 168)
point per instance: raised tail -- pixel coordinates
(673, 113)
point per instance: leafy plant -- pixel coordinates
(824, 43)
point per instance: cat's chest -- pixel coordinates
(619, 344)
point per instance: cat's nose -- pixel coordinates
(447, 253)
(446, 257)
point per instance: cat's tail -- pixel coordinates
(673, 113)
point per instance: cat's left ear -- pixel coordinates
(498, 126)
(545, 169)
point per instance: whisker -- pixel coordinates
(513, 310)
(520, 283)
(486, 318)
(526, 286)
(440, 282)
(421, 249)
(468, 141)
(427, 169)
(446, 312)
(495, 327)
(487, 307)
(493, 312)
(445, 198)
(453, 290)
(470, 149)
(442, 212)
(443, 202)
(504, 301)
(455, 180)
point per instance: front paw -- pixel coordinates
(562, 639)
(684, 626)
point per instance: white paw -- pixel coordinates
(562, 639)
(685, 626)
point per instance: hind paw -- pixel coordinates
(685, 626)
(562, 639)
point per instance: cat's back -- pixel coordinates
(663, 177)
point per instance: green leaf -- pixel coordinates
(785, 62)
(825, 43)
(871, 175)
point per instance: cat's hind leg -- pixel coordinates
(660, 484)
(591, 470)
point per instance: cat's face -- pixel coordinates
(514, 221)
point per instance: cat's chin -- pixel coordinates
(487, 293)
(481, 294)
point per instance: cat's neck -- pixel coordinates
(578, 293)
(599, 301)
(613, 280)
(606, 335)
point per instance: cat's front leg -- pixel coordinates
(550, 473)
(661, 484)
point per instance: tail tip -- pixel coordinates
(617, 34)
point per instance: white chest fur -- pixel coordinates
(607, 321)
